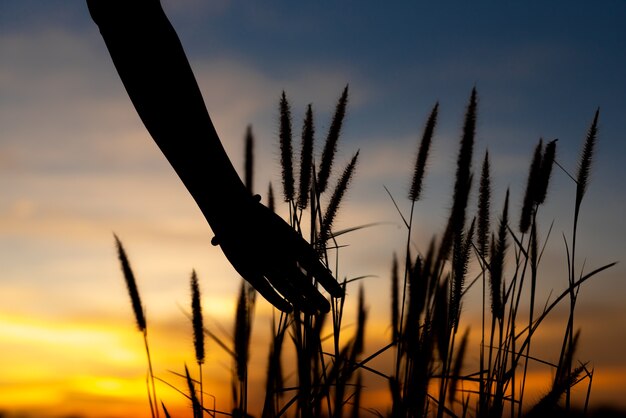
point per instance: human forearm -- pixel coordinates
(156, 74)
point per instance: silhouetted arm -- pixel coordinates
(261, 246)
(156, 74)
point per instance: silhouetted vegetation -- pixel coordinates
(429, 338)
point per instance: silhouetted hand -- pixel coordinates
(265, 250)
(259, 244)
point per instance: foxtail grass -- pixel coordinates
(415, 192)
(286, 151)
(131, 285)
(582, 179)
(586, 158)
(422, 155)
(306, 159)
(530, 197)
(430, 337)
(463, 179)
(335, 200)
(330, 146)
(483, 231)
(198, 329)
(547, 162)
(483, 226)
(242, 332)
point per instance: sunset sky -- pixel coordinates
(77, 165)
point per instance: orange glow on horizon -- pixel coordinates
(99, 368)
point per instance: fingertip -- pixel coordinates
(284, 307)
(326, 279)
(336, 290)
(269, 293)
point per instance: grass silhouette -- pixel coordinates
(430, 338)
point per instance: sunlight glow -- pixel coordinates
(77, 163)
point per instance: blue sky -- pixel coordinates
(76, 163)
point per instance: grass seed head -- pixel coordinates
(197, 320)
(306, 159)
(586, 157)
(330, 147)
(484, 203)
(422, 155)
(131, 285)
(286, 152)
(532, 188)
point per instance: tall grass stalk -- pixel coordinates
(198, 329)
(419, 172)
(582, 179)
(131, 285)
(483, 232)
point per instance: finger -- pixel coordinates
(267, 291)
(311, 293)
(310, 262)
(314, 300)
(288, 284)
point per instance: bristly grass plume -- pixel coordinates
(484, 202)
(335, 200)
(422, 155)
(586, 157)
(330, 146)
(140, 318)
(498, 253)
(131, 285)
(547, 162)
(286, 152)
(463, 179)
(306, 159)
(532, 185)
(197, 320)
